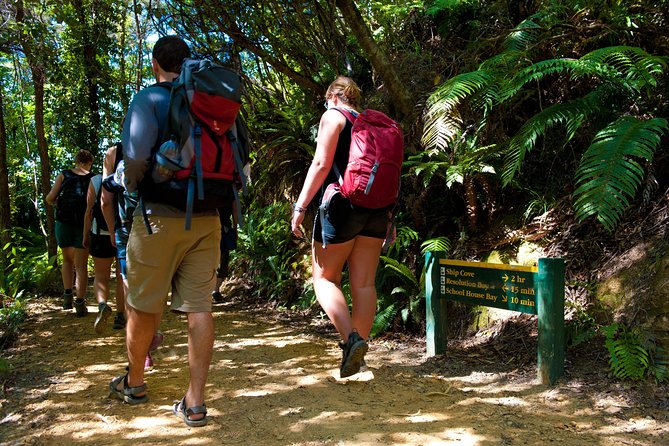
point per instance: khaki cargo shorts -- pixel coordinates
(173, 258)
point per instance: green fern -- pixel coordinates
(634, 354)
(570, 114)
(435, 244)
(610, 173)
(523, 36)
(628, 358)
(660, 364)
(401, 270)
(384, 318)
(442, 121)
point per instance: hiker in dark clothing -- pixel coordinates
(68, 194)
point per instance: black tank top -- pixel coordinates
(340, 158)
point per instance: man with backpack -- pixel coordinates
(68, 194)
(161, 252)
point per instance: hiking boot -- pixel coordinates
(148, 362)
(119, 321)
(67, 301)
(353, 354)
(103, 314)
(80, 307)
(217, 296)
(156, 341)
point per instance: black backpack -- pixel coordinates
(71, 202)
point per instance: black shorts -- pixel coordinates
(343, 222)
(101, 247)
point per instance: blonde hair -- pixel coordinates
(346, 90)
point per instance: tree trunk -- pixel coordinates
(5, 207)
(383, 66)
(91, 71)
(38, 78)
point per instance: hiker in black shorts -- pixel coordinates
(354, 235)
(97, 240)
(68, 194)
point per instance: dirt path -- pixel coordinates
(276, 383)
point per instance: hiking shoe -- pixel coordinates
(67, 301)
(103, 314)
(119, 321)
(353, 355)
(217, 296)
(148, 362)
(156, 341)
(80, 307)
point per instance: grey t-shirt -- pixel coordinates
(142, 129)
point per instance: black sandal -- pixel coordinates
(183, 412)
(128, 394)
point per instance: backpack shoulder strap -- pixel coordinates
(348, 114)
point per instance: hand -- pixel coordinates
(296, 222)
(85, 242)
(112, 238)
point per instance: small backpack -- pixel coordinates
(372, 176)
(71, 202)
(203, 152)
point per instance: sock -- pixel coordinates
(68, 291)
(102, 304)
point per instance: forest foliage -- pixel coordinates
(510, 110)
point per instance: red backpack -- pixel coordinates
(372, 176)
(203, 152)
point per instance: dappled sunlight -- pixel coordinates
(460, 437)
(618, 426)
(502, 401)
(323, 418)
(254, 342)
(418, 417)
(269, 385)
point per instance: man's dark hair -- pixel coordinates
(170, 52)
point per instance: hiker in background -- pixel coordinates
(228, 218)
(113, 157)
(117, 208)
(354, 235)
(164, 254)
(96, 240)
(68, 194)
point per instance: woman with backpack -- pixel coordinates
(68, 194)
(346, 234)
(96, 238)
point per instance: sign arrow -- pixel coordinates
(505, 277)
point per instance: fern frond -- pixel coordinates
(609, 173)
(632, 63)
(435, 244)
(523, 36)
(402, 270)
(442, 122)
(571, 114)
(384, 317)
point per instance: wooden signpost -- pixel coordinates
(529, 289)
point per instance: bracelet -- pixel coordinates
(299, 209)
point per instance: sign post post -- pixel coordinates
(550, 290)
(435, 314)
(528, 289)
